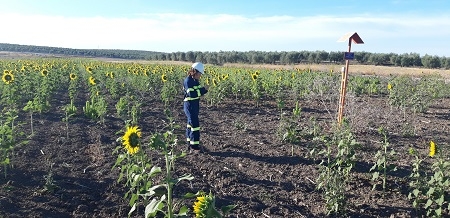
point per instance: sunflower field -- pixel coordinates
(84, 138)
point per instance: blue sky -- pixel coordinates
(398, 26)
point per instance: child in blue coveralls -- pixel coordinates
(192, 92)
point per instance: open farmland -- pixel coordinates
(273, 146)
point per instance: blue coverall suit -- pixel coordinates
(192, 92)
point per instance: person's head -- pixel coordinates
(197, 70)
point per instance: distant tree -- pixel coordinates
(446, 62)
(407, 60)
(312, 57)
(256, 58)
(395, 60)
(284, 58)
(321, 56)
(379, 59)
(335, 57)
(362, 57)
(432, 62)
(292, 57)
(190, 56)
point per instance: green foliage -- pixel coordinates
(95, 108)
(169, 92)
(163, 201)
(429, 188)
(50, 185)
(383, 161)
(414, 93)
(239, 123)
(334, 170)
(8, 137)
(365, 85)
(137, 171)
(288, 129)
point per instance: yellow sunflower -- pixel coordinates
(201, 206)
(224, 77)
(205, 206)
(73, 76)
(131, 139)
(7, 77)
(92, 80)
(389, 86)
(254, 76)
(89, 69)
(44, 72)
(432, 149)
(164, 77)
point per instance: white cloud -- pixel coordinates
(184, 32)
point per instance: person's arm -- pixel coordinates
(193, 89)
(203, 90)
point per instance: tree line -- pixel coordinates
(246, 57)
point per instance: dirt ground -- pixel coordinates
(246, 162)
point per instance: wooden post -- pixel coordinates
(351, 37)
(344, 85)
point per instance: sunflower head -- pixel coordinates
(389, 86)
(131, 139)
(164, 77)
(205, 206)
(224, 77)
(254, 77)
(7, 77)
(89, 69)
(92, 80)
(432, 148)
(201, 206)
(44, 72)
(73, 76)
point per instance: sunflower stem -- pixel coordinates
(31, 123)
(169, 186)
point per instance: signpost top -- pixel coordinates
(353, 36)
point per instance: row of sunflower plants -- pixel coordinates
(128, 84)
(416, 94)
(337, 152)
(153, 187)
(430, 181)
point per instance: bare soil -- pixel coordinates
(245, 164)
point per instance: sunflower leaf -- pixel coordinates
(153, 207)
(133, 208)
(183, 211)
(185, 177)
(227, 209)
(190, 195)
(154, 170)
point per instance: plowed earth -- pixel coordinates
(246, 163)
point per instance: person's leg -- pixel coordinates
(189, 123)
(195, 132)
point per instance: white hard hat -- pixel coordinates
(199, 66)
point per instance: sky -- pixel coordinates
(385, 26)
